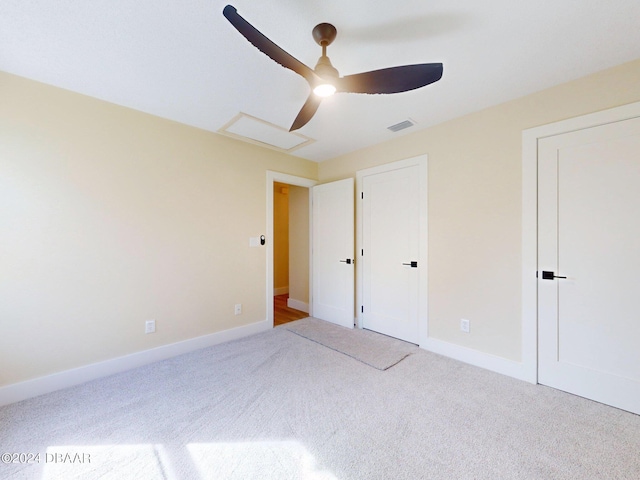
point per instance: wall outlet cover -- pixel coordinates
(150, 326)
(465, 325)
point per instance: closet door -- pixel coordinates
(589, 263)
(393, 252)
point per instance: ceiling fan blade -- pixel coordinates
(308, 110)
(391, 80)
(266, 46)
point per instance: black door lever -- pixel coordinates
(348, 261)
(412, 264)
(546, 275)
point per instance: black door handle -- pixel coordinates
(546, 275)
(412, 264)
(347, 261)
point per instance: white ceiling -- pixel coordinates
(182, 60)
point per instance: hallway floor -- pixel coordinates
(282, 313)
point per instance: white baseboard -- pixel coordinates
(39, 386)
(280, 291)
(477, 358)
(298, 305)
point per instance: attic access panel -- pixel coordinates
(254, 130)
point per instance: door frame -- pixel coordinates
(273, 177)
(530, 140)
(421, 162)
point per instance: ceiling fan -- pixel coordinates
(324, 79)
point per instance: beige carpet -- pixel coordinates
(278, 406)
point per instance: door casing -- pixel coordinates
(273, 177)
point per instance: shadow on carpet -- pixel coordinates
(373, 349)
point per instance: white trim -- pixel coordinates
(39, 386)
(422, 162)
(280, 291)
(290, 180)
(530, 140)
(477, 358)
(298, 305)
(530, 255)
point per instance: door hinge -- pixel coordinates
(362, 252)
(362, 195)
(361, 308)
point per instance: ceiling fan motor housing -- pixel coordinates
(324, 69)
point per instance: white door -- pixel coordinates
(391, 252)
(588, 232)
(333, 243)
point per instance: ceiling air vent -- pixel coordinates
(401, 126)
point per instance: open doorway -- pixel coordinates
(290, 253)
(296, 288)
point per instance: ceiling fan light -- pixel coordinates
(324, 90)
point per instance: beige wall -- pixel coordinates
(280, 237)
(299, 243)
(110, 217)
(475, 203)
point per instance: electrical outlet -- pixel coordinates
(464, 325)
(150, 326)
(238, 309)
